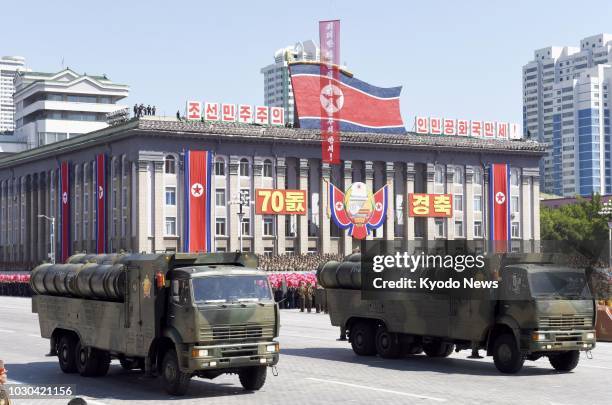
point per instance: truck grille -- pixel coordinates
(235, 332)
(566, 321)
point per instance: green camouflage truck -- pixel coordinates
(172, 315)
(540, 309)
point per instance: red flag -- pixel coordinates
(101, 203)
(498, 202)
(197, 201)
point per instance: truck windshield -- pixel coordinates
(559, 285)
(220, 289)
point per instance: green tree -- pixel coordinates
(575, 222)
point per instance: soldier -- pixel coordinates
(4, 399)
(302, 295)
(309, 293)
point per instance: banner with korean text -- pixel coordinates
(430, 205)
(329, 38)
(280, 202)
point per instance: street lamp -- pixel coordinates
(51, 236)
(606, 210)
(243, 201)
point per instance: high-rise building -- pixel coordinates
(566, 105)
(277, 84)
(9, 66)
(50, 107)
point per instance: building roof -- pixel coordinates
(165, 126)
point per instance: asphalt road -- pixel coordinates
(314, 368)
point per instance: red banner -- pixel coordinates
(197, 201)
(101, 203)
(330, 94)
(498, 202)
(65, 211)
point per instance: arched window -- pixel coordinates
(439, 175)
(244, 167)
(219, 166)
(267, 168)
(170, 164)
(458, 175)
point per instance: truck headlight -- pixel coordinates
(272, 348)
(538, 336)
(199, 353)
(590, 336)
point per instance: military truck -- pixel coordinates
(173, 315)
(540, 309)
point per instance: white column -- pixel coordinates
(347, 241)
(257, 219)
(431, 171)
(143, 215)
(408, 220)
(450, 188)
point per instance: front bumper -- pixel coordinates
(230, 356)
(559, 340)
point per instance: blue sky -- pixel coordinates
(458, 59)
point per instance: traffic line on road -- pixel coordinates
(366, 387)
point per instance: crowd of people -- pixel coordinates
(297, 262)
(141, 110)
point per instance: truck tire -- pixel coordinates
(66, 353)
(87, 360)
(104, 360)
(438, 349)
(175, 381)
(252, 378)
(388, 345)
(565, 361)
(363, 339)
(506, 354)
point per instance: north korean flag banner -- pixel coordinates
(358, 106)
(64, 222)
(198, 165)
(499, 201)
(100, 203)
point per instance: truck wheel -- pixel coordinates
(506, 354)
(252, 378)
(87, 360)
(387, 344)
(66, 353)
(362, 339)
(438, 349)
(104, 360)
(175, 381)
(565, 361)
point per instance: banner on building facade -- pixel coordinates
(64, 197)
(100, 188)
(499, 182)
(329, 44)
(430, 205)
(462, 127)
(357, 209)
(197, 166)
(280, 202)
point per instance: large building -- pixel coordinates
(145, 187)
(277, 83)
(50, 107)
(566, 106)
(9, 66)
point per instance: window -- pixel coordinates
(478, 203)
(514, 204)
(220, 226)
(477, 177)
(459, 228)
(220, 197)
(219, 167)
(478, 229)
(171, 226)
(244, 167)
(458, 177)
(440, 227)
(515, 230)
(458, 202)
(268, 251)
(170, 195)
(246, 226)
(170, 165)
(268, 226)
(267, 168)
(514, 178)
(439, 175)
